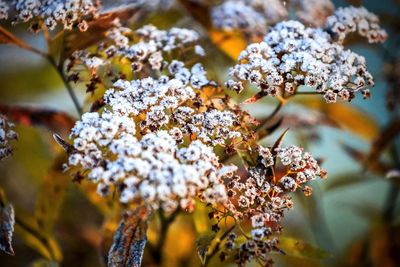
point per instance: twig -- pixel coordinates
(166, 222)
(66, 83)
(216, 248)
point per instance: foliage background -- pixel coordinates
(343, 211)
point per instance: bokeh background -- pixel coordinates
(344, 216)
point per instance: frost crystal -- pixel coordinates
(6, 136)
(293, 55)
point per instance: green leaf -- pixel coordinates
(300, 249)
(203, 244)
(27, 229)
(51, 196)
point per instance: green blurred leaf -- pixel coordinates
(51, 195)
(300, 249)
(28, 230)
(44, 263)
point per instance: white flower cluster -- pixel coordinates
(6, 135)
(151, 45)
(355, 19)
(251, 16)
(52, 12)
(165, 103)
(262, 197)
(232, 15)
(314, 12)
(4, 10)
(292, 55)
(151, 50)
(152, 169)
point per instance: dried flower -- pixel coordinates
(293, 55)
(355, 19)
(68, 13)
(6, 136)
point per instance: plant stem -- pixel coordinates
(67, 85)
(393, 191)
(216, 248)
(166, 222)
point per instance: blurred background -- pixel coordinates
(354, 215)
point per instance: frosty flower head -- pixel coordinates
(293, 55)
(262, 196)
(355, 19)
(68, 13)
(147, 50)
(6, 136)
(177, 102)
(232, 15)
(249, 16)
(150, 169)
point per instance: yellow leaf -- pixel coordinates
(231, 43)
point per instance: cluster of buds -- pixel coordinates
(50, 13)
(6, 136)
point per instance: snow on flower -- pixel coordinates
(293, 55)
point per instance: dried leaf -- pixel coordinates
(278, 144)
(129, 240)
(203, 243)
(300, 249)
(6, 227)
(7, 37)
(64, 144)
(55, 121)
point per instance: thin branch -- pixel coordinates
(216, 248)
(67, 85)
